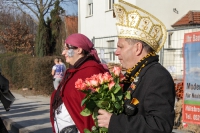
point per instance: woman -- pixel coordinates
(66, 100)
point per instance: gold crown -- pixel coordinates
(134, 22)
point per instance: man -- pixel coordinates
(151, 106)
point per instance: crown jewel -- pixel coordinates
(134, 22)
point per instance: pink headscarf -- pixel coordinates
(81, 41)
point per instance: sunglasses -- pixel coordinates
(68, 46)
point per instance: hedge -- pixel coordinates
(25, 71)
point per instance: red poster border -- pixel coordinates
(188, 39)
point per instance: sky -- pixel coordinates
(70, 8)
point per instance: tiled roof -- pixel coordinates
(190, 19)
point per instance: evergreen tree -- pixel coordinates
(56, 30)
(51, 47)
(42, 39)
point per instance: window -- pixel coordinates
(110, 4)
(112, 56)
(90, 7)
(170, 39)
(111, 49)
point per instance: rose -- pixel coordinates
(116, 70)
(104, 78)
(121, 77)
(92, 82)
(80, 85)
(100, 77)
(107, 77)
(111, 84)
(103, 91)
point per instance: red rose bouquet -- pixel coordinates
(103, 91)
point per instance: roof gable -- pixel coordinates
(192, 18)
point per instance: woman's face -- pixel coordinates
(70, 53)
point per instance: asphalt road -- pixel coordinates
(27, 115)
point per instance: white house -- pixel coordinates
(95, 20)
(96, 16)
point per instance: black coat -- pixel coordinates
(2, 127)
(156, 95)
(4, 83)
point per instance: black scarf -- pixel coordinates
(57, 101)
(132, 73)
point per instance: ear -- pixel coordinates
(79, 50)
(139, 48)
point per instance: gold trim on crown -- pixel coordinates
(134, 22)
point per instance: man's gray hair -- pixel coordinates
(146, 47)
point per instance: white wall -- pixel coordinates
(163, 9)
(102, 22)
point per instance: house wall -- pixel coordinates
(101, 27)
(71, 23)
(163, 9)
(102, 23)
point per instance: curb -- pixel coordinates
(29, 114)
(12, 126)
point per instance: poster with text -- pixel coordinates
(191, 105)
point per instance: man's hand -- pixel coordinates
(103, 118)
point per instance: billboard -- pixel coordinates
(191, 98)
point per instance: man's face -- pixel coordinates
(126, 53)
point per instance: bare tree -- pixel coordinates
(17, 38)
(10, 14)
(37, 8)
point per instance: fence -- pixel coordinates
(171, 56)
(106, 47)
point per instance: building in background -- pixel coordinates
(172, 52)
(96, 20)
(71, 25)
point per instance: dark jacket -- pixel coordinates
(156, 95)
(72, 97)
(4, 86)
(4, 83)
